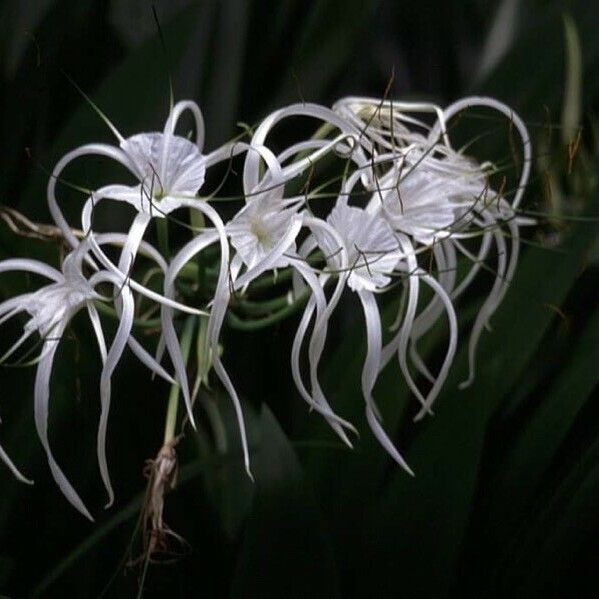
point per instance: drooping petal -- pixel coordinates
(148, 360)
(317, 399)
(371, 369)
(115, 352)
(93, 149)
(399, 344)
(10, 465)
(185, 254)
(504, 274)
(41, 409)
(451, 349)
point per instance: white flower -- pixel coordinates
(263, 235)
(439, 198)
(367, 257)
(170, 170)
(371, 248)
(260, 227)
(429, 199)
(51, 308)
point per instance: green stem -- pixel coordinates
(162, 230)
(260, 323)
(261, 308)
(173, 399)
(151, 323)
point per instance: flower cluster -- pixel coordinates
(401, 209)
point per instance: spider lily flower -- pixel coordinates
(264, 232)
(494, 214)
(170, 170)
(365, 262)
(51, 308)
(263, 235)
(439, 199)
(388, 124)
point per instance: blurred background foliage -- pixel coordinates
(505, 501)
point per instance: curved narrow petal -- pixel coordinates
(488, 308)
(446, 264)
(15, 346)
(178, 109)
(383, 439)
(317, 400)
(169, 335)
(215, 321)
(41, 408)
(401, 340)
(251, 171)
(93, 149)
(370, 373)
(94, 318)
(149, 361)
(514, 118)
(10, 465)
(451, 349)
(114, 355)
(33, 266)
(123, 280)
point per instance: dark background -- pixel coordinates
(505, 501)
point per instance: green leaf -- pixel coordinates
(544, 558)
(435, 506)
(124, 515)
(135, 97)
(572, 104)
(540, 439)
(285, 552)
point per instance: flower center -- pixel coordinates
(261, 232)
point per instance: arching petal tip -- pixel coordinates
(424, 411)
(467, 383)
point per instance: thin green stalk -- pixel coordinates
(260, 323)
(162, 230)
(151, 323)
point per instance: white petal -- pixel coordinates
(114, 355)
(86, 150)
(97, 325)
(147, 360)
(8, 462)
(451, 349)
(33, 266)
(504, 275)
(42, 395)
(514, 118)
(317, 400)
(193, 247)
(384, 440)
